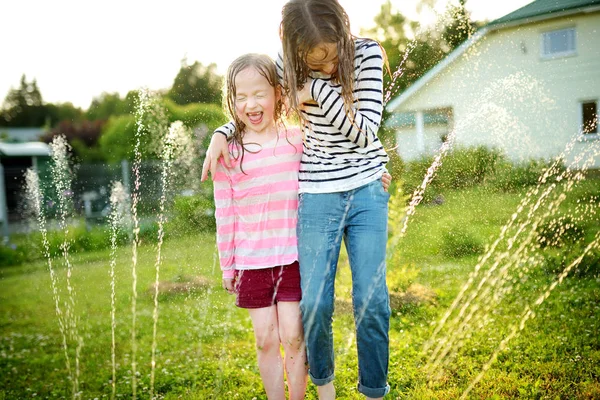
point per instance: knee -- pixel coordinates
(292, 340)
(374, 309)
(267, 339)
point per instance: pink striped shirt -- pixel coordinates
(257, 209)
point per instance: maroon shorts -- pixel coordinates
(258, 288)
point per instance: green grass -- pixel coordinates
(205, 344)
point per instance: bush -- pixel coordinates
(118, 135)
(556, 260)
(12, 255)
(192, 214)
(468, 167)
(118, 138)
(400, 277)
(195, 114)
(148, 232)
(459, 242)
(30, 248)
(465, 168)
(559, 232)
(510, 177)
(460, 169)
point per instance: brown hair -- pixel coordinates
(266, 67)
(306, 24)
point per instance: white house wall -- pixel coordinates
(408, 145)
(504, 94)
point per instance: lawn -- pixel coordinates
(489, 346)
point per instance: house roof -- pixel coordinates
(401, 120)
(24, 149)
(535, 11)
(545, 8)
(429, 75)
(22, 134)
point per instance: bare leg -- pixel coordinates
(292, 339)
(326, 392)
(270, 364)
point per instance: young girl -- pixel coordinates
(335, 82)
(256, 211)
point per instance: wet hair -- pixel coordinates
(305, 25)
(265, 66)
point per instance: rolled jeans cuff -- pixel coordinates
(323, 381)
(370, 392)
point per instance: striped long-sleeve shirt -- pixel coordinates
(257, 209)
(340, 155)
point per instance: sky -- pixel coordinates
(78, 49)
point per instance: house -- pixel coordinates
(527, 83)
(15, 159)
(20, 135)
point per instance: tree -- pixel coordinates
(390, 30)
(196, 83)
(63, 112)
(111, 104)
(410, 58)
(461, 26)
(118, 135)
(23, 107)
(83, 137)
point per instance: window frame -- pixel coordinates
(589, 136)
(551, 56)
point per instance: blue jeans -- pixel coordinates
(360, 217)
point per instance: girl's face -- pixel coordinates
(323, 58)
(255, 100)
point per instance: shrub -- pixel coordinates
(118, 135)
(79, 239)
(414, 173)
(510, 177)
(559, 232)
(118, 138)
(556, 260)
(461, 168)
(459, 242)
(468, 167)
(12, 255)
(148, 231)
(400, 277)
(195, 114)
(192, 214)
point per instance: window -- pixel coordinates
(558, 43)
(589, 117)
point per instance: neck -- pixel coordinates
(260, 137)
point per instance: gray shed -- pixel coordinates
(15, 159)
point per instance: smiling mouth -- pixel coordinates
(255, 118)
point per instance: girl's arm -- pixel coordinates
(368, 89)
(218, 148)
(225, 218)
